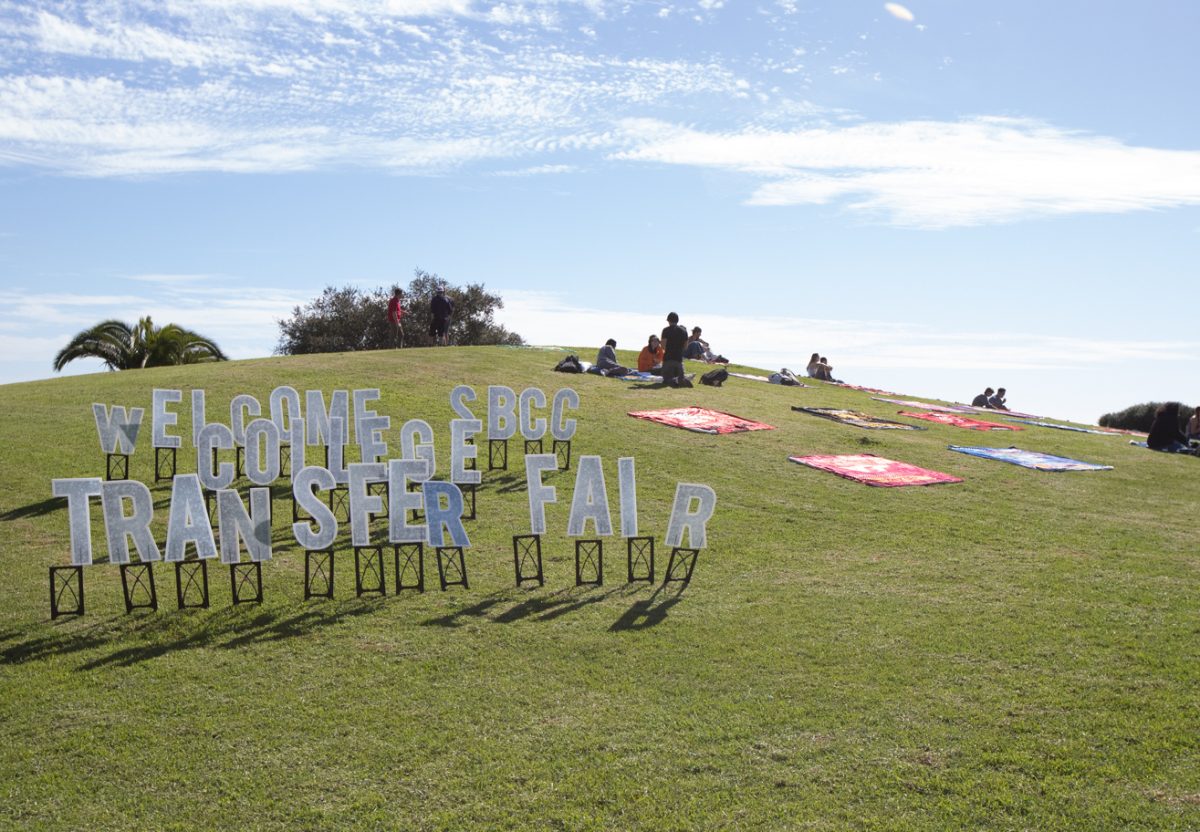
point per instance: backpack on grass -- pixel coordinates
(570, 364)
(714, 378)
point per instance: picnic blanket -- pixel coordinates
(749, 377)
(1032, 459)
(874, 470)
(640, 375)
(940, 408)
(700, 419)
(960, 421)
(855, 418)
(1065, 427)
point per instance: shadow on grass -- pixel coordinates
(645, 614)
(35, 509)
(250, 627)
(183, 630)
(537, 608)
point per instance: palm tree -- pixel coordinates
(124, 347)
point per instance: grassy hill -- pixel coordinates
(1017, 651)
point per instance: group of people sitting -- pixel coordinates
(1165, 434)
(820, 368)
(991, 399)
(663, 355)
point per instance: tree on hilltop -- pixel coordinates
(124, 347)
(347, 319)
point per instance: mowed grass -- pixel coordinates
(1017, 651)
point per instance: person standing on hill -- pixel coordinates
(395, 314)
(674, 339)
(440, 310)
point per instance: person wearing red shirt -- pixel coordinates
(395, 314)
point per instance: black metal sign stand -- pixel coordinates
(285, 460)
(318, 573)
(239, 461)
(66, 581)
(451, 563)
(682, 560)
(410, 560)
(164, 464)
(116, 467)
(468, 491)
(138, 579)
(533, 446)
(339, 503)
(528, 548)
(368, 571)
(497, 454)
(191, 575)
(562, 453)
(589, 557)
(640, 554)
(245, 579)
(210, 505)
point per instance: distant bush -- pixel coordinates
(1140, 416)
(348, 319)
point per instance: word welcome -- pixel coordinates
(128, 510)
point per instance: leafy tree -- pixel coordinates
(124, 347)
(349, 319)
(1141, 416)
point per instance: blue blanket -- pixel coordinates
(1032, 459)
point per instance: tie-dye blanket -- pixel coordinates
(855, 418)
(1032, 459)
(960, 421)
(874, 470)
(700, 419)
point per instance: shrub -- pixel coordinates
(349, 319)
(1140, 416)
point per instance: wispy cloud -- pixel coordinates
(862, 344)
(34, 325)
(421, 87)
(932, 174)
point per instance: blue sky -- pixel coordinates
(937, 195)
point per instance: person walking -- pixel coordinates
(395, 314)
(440, 310)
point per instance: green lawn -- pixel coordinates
(1016, 651)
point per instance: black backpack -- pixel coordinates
(570, 364)
(714, 378)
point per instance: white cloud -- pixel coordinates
(128, 43)
(770, 341)
(899, 12)
(935, 174)
(242, 319)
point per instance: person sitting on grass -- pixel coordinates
(1193, 426)
(1165, 434)
(698, 349)
(982, 399)
(651, 357)
(997, 401)
(606, 358)
(818, 369)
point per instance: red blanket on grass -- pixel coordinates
(960, 421)
(700, 420)
(874, 470)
